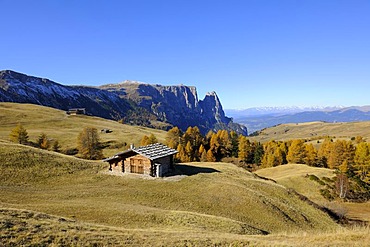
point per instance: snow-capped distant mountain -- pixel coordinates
(263, 117)
(277, 111)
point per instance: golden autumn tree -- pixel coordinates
(245, 149)
(43, 141)
(19, 134)
(340, 151)
(324, 152)
(210, 156)
(311, 155)
(362, 161)
(273, 155)
(173, 137)
(296, 152)
(88, 144)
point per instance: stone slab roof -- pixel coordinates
(152, 152)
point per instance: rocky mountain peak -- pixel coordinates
(135, 102)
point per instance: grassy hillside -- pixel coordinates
(58, 125)
(210, 197)
(295, 176)
(315, 131)
(32, 228)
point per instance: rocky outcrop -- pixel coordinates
(174, 105)
(178, 105)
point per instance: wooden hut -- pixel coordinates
(154, 160)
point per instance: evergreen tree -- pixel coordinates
(56, 146)
(19, 134)
(234, 138)
(258, 153)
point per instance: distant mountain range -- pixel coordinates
(132, 102)
(263, 117)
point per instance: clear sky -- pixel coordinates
(251, 52)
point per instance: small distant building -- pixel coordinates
(154, 160)
(76, 111)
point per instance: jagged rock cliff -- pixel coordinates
(174, 105)
(178, 105)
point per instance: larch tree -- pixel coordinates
(311, 155)
(88, 144)
(324, 152)
(173, 137)
(144, 140)
(297, 152)
(362, 161)
(19, 134)
(43, 141)
(210, 156)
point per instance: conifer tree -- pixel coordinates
(152, 139)
(56, 146)
(189, 152)
(19, 134)
(297, 152)
(173, 137)
(88, 144)
(210, 156)
(144, 140)
(43, 141)
(362, 161)
(234, 139)
(324, 152)
(311, 155)
(258, 153)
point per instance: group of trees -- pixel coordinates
(348, 157)
(88, 142)
(20, 135)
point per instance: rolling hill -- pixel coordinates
(208, 197)
(259, 118)
(314, 131)
(65, 128)
(51, 198)
(296, 176)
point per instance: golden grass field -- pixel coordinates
(294, 176)
(48, 198)
(56, 124)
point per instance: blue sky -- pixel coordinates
(251, 52)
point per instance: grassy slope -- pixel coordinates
(294, 176)
(315, 130)
(218, 198)
(58, 125)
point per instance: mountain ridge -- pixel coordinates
(256, 122)
(135, 103)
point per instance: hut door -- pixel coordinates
(137, 166)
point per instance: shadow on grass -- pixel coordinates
(193, 170)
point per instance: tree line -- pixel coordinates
(88, 142)
(350, 157)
